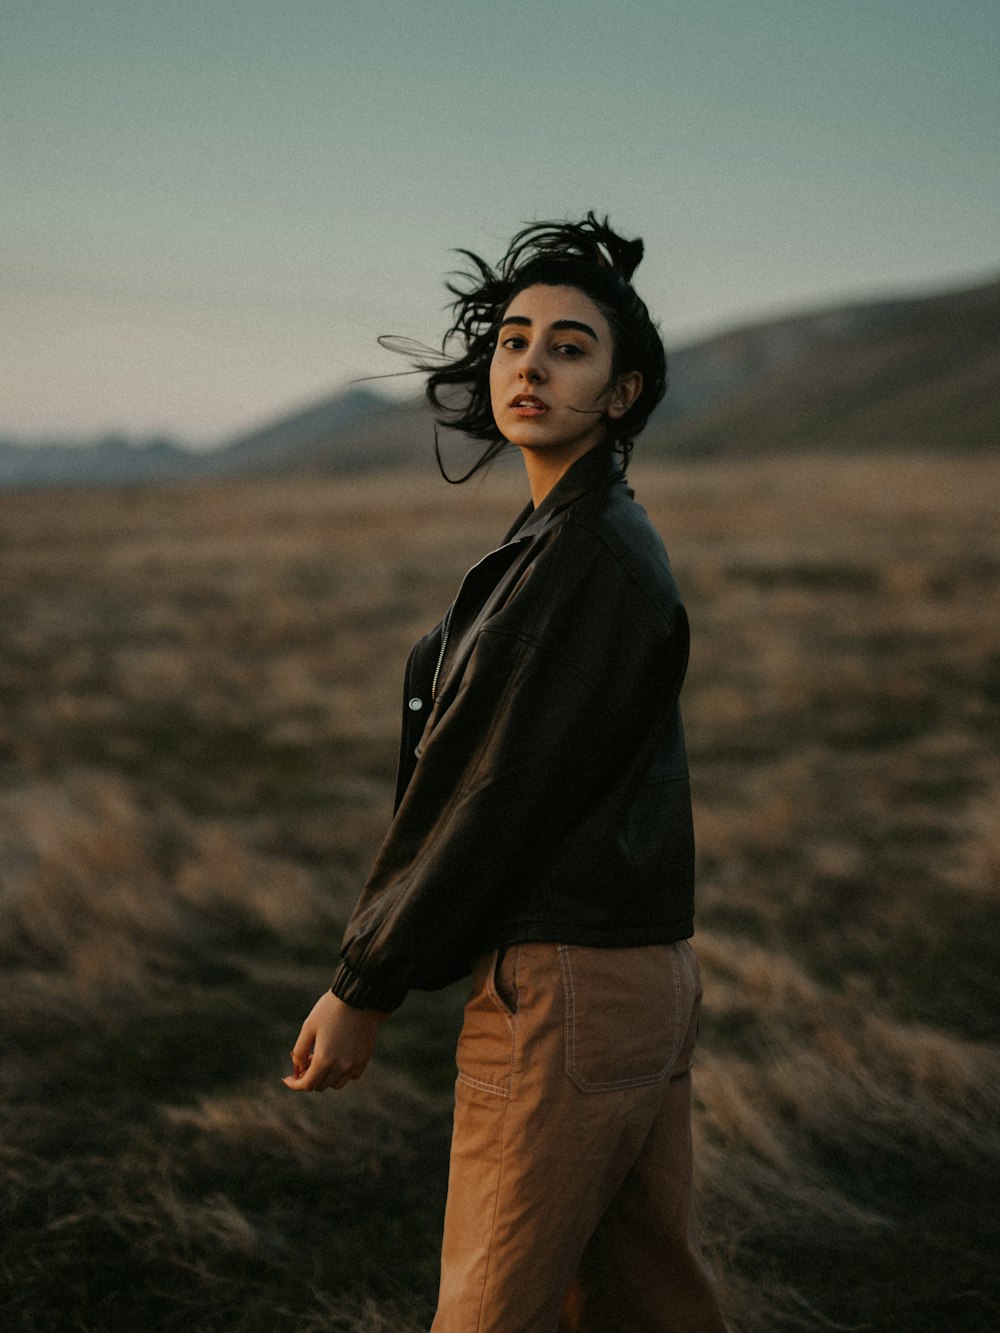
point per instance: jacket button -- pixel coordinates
(415, 705)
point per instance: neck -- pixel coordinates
(545, 466)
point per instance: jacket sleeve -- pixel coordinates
(559, 690)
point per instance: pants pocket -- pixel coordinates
(485, 1053)
(627, 1013)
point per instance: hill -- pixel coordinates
(920, 373)
(915, 374)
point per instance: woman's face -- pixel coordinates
(551, 386)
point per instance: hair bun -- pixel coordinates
(626, 256)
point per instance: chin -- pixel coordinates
(528, 437)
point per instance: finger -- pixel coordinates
(300, 1083)
(301, 1052)
(309, 1080)
(302, 1060)
(339, 1079)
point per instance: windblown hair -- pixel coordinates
(587, 255)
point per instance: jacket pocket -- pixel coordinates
(627, 1013)
(486, 1043)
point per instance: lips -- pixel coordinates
(526, 404)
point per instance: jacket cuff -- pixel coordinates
(354, 990)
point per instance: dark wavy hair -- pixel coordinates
(587, 255)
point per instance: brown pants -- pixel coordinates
(569, 1196)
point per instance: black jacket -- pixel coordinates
(542, 791)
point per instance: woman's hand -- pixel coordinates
(334, 1046)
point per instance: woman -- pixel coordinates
(542, 835)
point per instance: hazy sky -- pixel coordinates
(211, 208)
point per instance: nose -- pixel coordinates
(529, 370)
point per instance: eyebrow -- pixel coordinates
(577, 324)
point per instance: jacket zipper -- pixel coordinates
(446, 624)
(444, 644)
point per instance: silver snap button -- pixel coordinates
(415, 705)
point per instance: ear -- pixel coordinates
(626, 390)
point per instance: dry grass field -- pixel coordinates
(198, 713)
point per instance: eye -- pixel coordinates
(514, 342)
(569, 350)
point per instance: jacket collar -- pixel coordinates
(594, 469)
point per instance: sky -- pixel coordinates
(212, 208)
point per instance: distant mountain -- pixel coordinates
(319, 434)
(111, 460)
(920, 373)
(351, 430)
